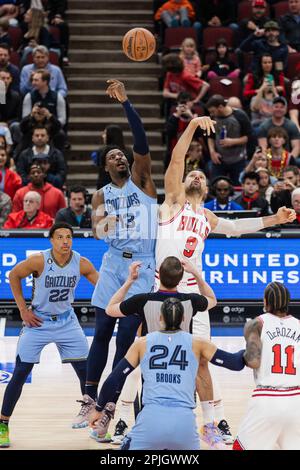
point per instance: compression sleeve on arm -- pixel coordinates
(232, 361)
(140, 144)
(113, 385)
(239, 226)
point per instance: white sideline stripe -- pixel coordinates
(2, 327)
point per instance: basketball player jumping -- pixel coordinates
(51, 318)
(273, 350)
(183, 227)
(125, 216)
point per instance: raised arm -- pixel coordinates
(87, 269)
(204, 288)
(174, 175)
(141, 168)
(102, 224)
(239, 227)
(33, 265)
(252, 332)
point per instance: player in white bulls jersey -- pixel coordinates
(273, 350)
(183, 228)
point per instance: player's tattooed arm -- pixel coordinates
(102, 223)
(252, 332)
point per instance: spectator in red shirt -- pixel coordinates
(31, 216)
(52, 198)
(178, 79)
(10, 181)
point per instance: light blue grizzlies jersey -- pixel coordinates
(136, 218)
(169, 369)
(53, 290)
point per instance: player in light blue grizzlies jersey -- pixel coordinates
(125, 215)
(51, 318)
(169, 361)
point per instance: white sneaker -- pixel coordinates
(224, 430)
(209, 433)
(82, 419)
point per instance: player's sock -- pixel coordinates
(80, 369)
(208, 412)
(219, 411)
(14, 388)
(125, 411)
(91, 390)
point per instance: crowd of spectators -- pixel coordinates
(239, 62)
(34, 38)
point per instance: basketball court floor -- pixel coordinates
(43, 415)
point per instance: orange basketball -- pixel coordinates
(139, 44)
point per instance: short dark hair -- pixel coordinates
(183, 97)
(172, 311)
(40, 126)
(105, 151)
(215, 101)
(250, 175)
(5, 70)
(46, 76)
(292, 168)
(77, 189)
(3, 45)
(277, 297)
(170, 272)
(59, 225)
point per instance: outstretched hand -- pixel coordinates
(205, 123)
(285, 215)
(116, 89)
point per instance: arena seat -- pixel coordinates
(212, 34)
(15, 34)
(55, 33)
(293, 68)
(175, 36)
(15, 58)
(218, 88)
(280, 9)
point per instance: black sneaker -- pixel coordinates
(224, 430)
(119, 434)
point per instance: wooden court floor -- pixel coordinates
(43, 415)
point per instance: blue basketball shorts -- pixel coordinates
(163, 428)
(114, 272)
(65, 332)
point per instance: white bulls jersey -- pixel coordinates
(280, 361)
(183, 236)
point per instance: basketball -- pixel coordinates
(139, 44)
